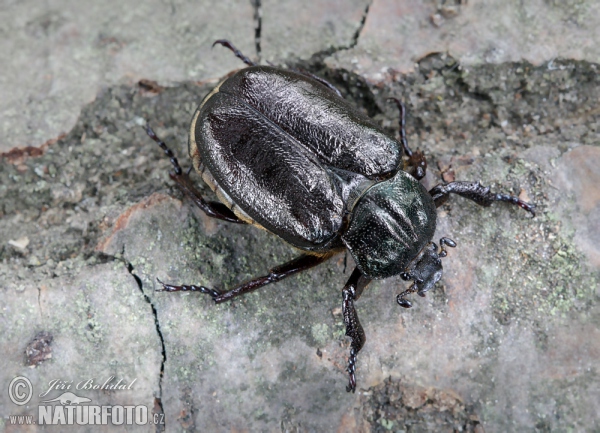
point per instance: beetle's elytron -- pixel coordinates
(284, 151)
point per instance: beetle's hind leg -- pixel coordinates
(299, 264)
(237, 52)
(476, 192)
(350, 293)
(210, 208)
(416, 164)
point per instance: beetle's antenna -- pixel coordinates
(164, 147)
(237, 52)
(445, 242)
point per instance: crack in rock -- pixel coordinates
(360, 27)
(257, 27)
(158, 407)
(319, 56)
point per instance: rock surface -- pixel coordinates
(508, 341)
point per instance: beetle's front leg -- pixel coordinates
(476, 192)
(350, 293)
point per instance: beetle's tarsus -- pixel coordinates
(351, 387)
(350, 293)
(476, 192)
(238, 53)
(529, 207)
(188, 288)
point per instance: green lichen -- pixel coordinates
(321, 333)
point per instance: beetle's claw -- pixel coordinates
(223, 42)
(529, 207)
(351, 387)
(149, 130)
(405, 303)
(351, 370)
(163, 288)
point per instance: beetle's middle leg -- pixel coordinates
(299, 264)
(477, 192)
(350, 293)
(416, 164)
(211, 208)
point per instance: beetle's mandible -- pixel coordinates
(284, 151)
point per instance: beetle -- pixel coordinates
(284, 151)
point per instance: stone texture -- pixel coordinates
(99, 326)
(397, 33)
(58, 54)
(580, 173)
(310, 27)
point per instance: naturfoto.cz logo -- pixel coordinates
(69, 408)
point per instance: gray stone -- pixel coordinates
(398, 33)
(57, 55)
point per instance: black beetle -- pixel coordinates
(284, 151)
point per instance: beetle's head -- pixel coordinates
(425, 270)
(391, 225)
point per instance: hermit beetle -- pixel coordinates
(284, 151)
